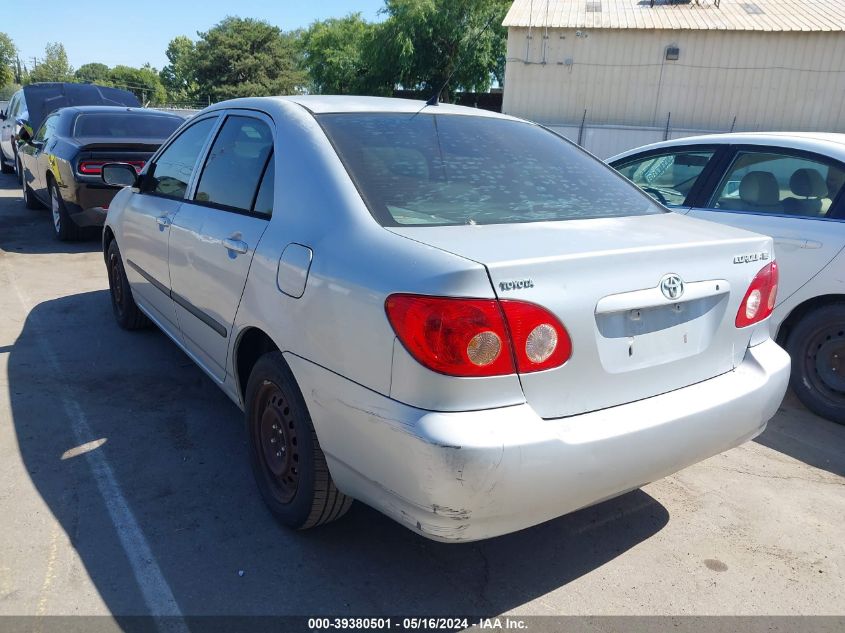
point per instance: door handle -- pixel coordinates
(163, 221)
(812, 244)
(237, 246)
(789, 241)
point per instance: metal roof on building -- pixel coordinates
(729, 15)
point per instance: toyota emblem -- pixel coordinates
(672, 286)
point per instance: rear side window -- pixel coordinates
(236, 163)
(782, 184)
(264, 199)
(430, 169)
(667, 177)
(125, 125)
(172, 171)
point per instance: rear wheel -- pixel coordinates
(64, 228)
(126, 311)
(29, 199)
(289, 466)
(817, 347)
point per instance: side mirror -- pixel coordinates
(120, 175)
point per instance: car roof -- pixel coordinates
(117, 109)
(334, 104)
(826, 143)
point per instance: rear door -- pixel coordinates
(793, 196)
(146, 220)
(215, 234)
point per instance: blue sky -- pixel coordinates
(136, 32)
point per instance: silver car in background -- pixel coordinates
(454, 316)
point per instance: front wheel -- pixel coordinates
(29, 199)
(817, 347)
(4, 168)
(289, 466)
(126, 311)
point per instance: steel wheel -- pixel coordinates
(276, 436)
(116, 283)
(126, 311)
(824, 362)
(284, 452)
(817, 346)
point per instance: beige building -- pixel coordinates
(677, 67)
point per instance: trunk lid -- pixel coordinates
(602, 279)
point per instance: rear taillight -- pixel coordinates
(478, 337)
(95, 167)
(760, 299)
(539, 340)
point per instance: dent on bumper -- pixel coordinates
(473, 475)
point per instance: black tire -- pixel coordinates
(126, 311)
(64, 228)
(289, 466)
(4, 168)
(817, 347)
(29, 199)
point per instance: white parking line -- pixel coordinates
(151, 582)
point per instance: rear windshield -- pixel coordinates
(125, 125)
(427, 169)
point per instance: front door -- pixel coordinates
(215, 234)
(149, 214)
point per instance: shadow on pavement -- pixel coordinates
(25, 230)
(175, 446)
(796, 432)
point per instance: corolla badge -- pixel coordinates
(751, 257)
(672, 286)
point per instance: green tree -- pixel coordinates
(54, 66)
(424, 43)
(178, 76)
(242, 57)
(93, 73)
(333, 53)
(144, 82)
(8, 56)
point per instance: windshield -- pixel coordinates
(427, 169)
(125, 125)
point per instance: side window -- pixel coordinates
(14, 107)
(47, 128)
(235, 163)
(783, 184)
(264, 200)
(171, 173)
(669, 177)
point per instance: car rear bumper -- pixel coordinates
(91, 205)
(473, 475)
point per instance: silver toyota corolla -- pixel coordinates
(454, 316)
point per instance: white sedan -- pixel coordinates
(455, 316)
(788, 186)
